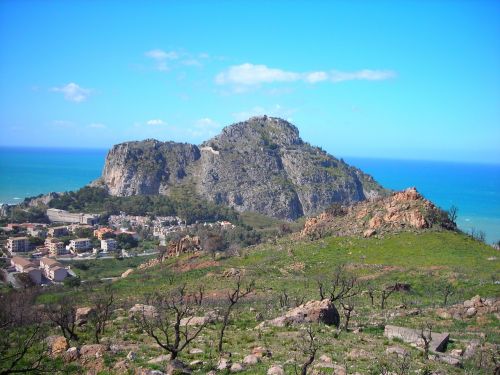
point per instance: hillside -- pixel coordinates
(286, 274)
(259, 165)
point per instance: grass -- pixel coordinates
(421, 260)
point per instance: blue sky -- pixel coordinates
(391, 79)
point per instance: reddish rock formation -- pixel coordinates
(402, 211)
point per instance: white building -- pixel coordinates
(80, 245)
(109, 244)
(25, 266)
(18, 244)
(53, 270)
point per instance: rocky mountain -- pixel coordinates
(406, 210)
(259, 165)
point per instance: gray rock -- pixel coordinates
(258, 165)
(236, 367)
(131, 356)
(412, 336)
(224, 363)
(275, 370)
(312, 311)
(251, 359)
(176, 367)
(195, 351)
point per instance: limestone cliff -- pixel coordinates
(258, 165)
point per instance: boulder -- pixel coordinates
(324, 358)
(127, 273)
(160, 359)
(236, 367)
(275, 370)
(195, 363)
(251, 359)
(176, 367)
(471, 311)
(195, 351)
(224, 363)
(412, 336)
(260, 352)
(369, 233)
(71, 354)
(92, 351)
(57, 344)
(311, 312)
(197, 321)
(399, 351)
(139, 309)
(471, 349)
(82, 315)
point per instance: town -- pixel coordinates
(37, 252)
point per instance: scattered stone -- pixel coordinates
(224, 363)
(127, 273)
(260, 351)
(471, 311)
(443, 314)
(457, 352)
(196, 321)
(369, 233)
(139, 309)
(412, 336)
(471, 349)
(275, 370)
(196, 363)
(176, 367)
(325, 358)
(160, 359)
(131, 356)
(92, 351)
(310, 312)
(251, 359)
(195, 351)
(358, 354)
(82, 315)
(71, 354)
(236, 367)
(449, 360)
(399, 351)
(57, 344)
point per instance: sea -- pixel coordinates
(473, 188)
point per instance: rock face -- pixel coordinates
(401, 211)
(258, 165)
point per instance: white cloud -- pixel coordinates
(155, 122)
(316, 77)
(73, 92)
(161, 55)
(252, 75)
(249, 74)
(192, 62)
(97, 125)
(366, 74)
(63, 124)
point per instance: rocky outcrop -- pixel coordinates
(401, 211)
(258, 165)
(472, 308)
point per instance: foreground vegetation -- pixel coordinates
(437, 268)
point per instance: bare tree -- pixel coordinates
(341, 285)
(453, 213)
(446, 289)
(102, 304)
(348, 308)
(22, 345)
(63, 314)
(233, 298)
(371, 294)
(309, 348)
(426, 336)
(198, 297)
(384, 296)
(164, 325)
